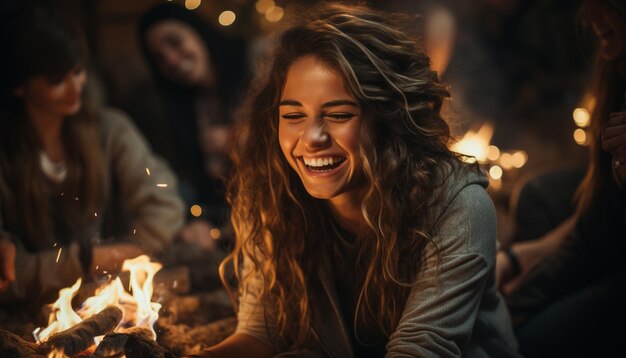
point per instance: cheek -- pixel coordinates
(350, 138)
(286, 142)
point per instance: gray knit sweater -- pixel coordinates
(136, 209)
(459, 314)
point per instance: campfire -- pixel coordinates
(107, 324)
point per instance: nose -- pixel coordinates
(315, 135)
(76, 82)
(170, 59)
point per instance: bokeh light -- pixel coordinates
(495, 172)
(581, 117)
(192, 4)
(580, 136)
(227, 18)
(263, 5)
(274, 14)
(196, 210)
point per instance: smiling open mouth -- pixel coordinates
(323, 164)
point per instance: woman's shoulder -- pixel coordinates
(113, 120)
(466, 218)
(460, 179)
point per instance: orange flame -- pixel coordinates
(62, 316)
(475, 144)
(137, 307)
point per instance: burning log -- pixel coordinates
(12, 345)
(81, 336)
(131, 345)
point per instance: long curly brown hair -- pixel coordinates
(280, 229)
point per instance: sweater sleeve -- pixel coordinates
(439, 315)
(254, 318)
(147, 185)
(40, 272)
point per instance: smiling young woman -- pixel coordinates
(358, 233)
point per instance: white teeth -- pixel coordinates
(321, 162)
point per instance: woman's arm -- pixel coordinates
(239, 345)
(440, 317)
(529, 253)
(146, 184)
(41, 272)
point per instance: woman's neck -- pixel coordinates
(48, 128)
(346, 209)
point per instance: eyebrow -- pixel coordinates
(339, 102)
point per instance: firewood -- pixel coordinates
(81, 336)
(132, 346)
(12, 345)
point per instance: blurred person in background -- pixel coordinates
(199, 72)
(566, 289)
(80, 190)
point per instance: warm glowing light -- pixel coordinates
(59, 254)
(196, 210)
(495, 184)
(192, 4)
(580, 136)
(62, 316)
(263, 5)
(227, 18)
(495, 172)
(493, 153)
(519, 158)
(138, 308)
(274, 14)
(506, 161)
(215, 233)
(581, 117)
(142, 273)
(162, 185)
(475, 144)
(148, 171)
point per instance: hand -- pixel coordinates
(110, 258)
(7, 263)
(506, 279)
(614, 142)
(199, 232)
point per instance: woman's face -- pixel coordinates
(320, 129)
(59, 96)
(180, 53)
(609, 24)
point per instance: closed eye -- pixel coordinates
(293, 116)
(340, 116)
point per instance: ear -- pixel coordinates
(20, 91)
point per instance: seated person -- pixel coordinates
(568, 293)
(358, 232)
(80, 190)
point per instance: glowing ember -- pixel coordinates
(137, 307)
(475, 144)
